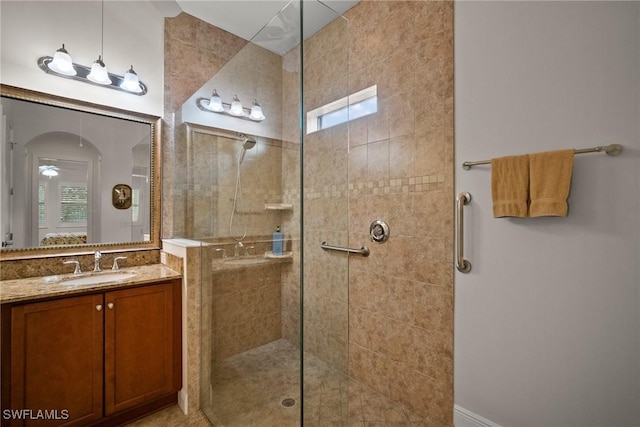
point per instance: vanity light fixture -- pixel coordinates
(256, 111)
(130, 82)
(60, 65)
(236, 107)
(99, 73)
(214, 104)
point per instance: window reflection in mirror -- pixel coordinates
(59, 166)
(63, 201)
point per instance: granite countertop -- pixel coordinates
(33, 288)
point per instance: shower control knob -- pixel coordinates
(379, 231)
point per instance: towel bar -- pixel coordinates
(612, 150)
(364, 251)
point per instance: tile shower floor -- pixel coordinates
(251, 386)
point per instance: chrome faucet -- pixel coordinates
(76, 262)
(97, 257)
(115, 265)
(238, 249)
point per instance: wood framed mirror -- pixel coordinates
(60, 160)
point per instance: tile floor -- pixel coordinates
(250, 387)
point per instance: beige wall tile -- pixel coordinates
(395, 311)
(397, 166)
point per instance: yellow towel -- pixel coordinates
(510, 186)
(550, 182)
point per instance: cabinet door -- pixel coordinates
(56, 360)
(141, 332)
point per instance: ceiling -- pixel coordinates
(254, 19)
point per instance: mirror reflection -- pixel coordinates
(63, 175)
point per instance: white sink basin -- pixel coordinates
(98, 279)
(244, 261)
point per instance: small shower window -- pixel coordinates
(350, 107)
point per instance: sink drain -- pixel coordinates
(287, 403)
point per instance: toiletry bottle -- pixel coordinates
(277, 242)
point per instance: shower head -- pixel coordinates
(248, 142)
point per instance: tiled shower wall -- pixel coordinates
(325, 196)
(246, 309)
(399, 164)
(400, 169)
(194, 51)
(213, 165)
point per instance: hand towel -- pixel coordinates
(510, 186)
(550, 182)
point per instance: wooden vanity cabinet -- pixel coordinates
(103, 358)
(140, 331)
(56, 360)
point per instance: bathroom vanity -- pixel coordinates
(91, 354)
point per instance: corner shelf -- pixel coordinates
(269, 254)
(278, 206)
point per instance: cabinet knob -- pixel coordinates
(110, 306)
(99, 307)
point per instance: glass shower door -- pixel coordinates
(325, 280)
(274, 328)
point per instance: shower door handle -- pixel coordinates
(462, 264)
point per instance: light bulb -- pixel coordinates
(215, 102)
(236, 107)
(256, 112)
(62, 63)
(99, 73)
(130, 82)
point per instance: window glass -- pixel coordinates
(135, 205)
(73, 204)
(350, 107)
(42, 199)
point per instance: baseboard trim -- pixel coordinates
(183, 401)
(465, 418)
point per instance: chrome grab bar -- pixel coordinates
(462, 264)
(364, 251)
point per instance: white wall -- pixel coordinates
(547, 323)
(133, 35)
